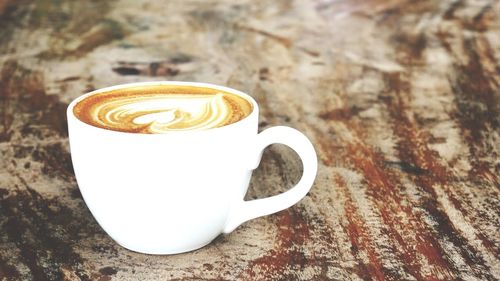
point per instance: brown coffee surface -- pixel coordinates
(162, 108)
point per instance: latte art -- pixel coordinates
(162, 109)
(160, 114)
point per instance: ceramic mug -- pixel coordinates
(175, 192)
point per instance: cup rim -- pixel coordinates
(255, 108)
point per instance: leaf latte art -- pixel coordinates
(162, 109)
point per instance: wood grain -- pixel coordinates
(400, 98)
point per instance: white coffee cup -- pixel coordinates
(175, 192)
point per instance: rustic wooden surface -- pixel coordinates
(400, 98)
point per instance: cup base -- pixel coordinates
(163, 251)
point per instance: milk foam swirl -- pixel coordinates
(162, 109)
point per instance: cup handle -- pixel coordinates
(247, 210)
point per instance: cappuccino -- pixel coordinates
(157, 192)
(160, 109)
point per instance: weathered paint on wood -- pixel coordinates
(400, 98)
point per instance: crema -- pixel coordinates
(162, 109)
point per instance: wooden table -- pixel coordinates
(400, 98)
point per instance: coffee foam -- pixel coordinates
(162, 109)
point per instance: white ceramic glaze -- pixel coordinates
(175, 192)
